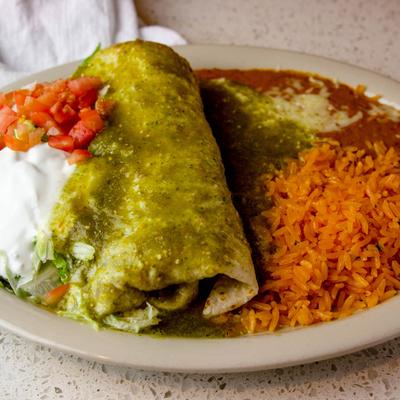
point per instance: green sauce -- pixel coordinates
(189, 323)
(255, 140)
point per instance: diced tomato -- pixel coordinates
(35, 137)
(62, 142)
(60, 85)
(67, 97)
(79, 155)
(87, 99)
(54, 131)
(91, 119)
(43, 119)
(20, 96)
(63, 113)
(104, 107)
(81, 86)
(22, 136)
(33, 105)
(66, 128)
(7, 117)
(6, 99)
(67, 114)
(82, 135)
(38, 90)
(56, 107)
(48, 98)
(21, 131)
(54, 296)
(67, 111)
(14, 143)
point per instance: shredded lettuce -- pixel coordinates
(43, 250)
(76, 307)
(134, 321)
(63, 267)
(11, 278)
(43, 281)
(82, 251)
(36, 262)
(49, 269)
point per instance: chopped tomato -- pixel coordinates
(54, 296)
(82, 135)
(43, 120)
(68, 112)
(81, 86)
(54, 131)
(59, 85)
(104, 107)
(56, 107)
(62, 142)
(68, 98)
(20, 96)
(66, 127)
(38, 90)
(21, 131)
(48, 98)
(63, 113)
(33, 105)
(22, 136)
(35, 137)
(87, 99)
(7, 117)
(78, 156)
(91, 119)
(15, 143)
(6, 99)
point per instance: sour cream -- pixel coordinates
(31, 183)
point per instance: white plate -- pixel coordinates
(258, 352)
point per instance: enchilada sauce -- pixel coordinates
(375, 123)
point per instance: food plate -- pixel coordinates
(257, 352)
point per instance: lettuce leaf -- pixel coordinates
(75, 306)
(134, 321)
(82, 251)
(45, 280)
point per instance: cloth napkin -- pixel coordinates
(39, 34)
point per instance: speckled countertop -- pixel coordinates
(362, 32)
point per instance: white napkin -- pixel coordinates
(39, 34)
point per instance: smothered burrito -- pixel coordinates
(149, 215)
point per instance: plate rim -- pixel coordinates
(179, 354)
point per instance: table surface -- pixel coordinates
(361, 32)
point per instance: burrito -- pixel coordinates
(150, 215)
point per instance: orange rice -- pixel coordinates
(335, 232)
